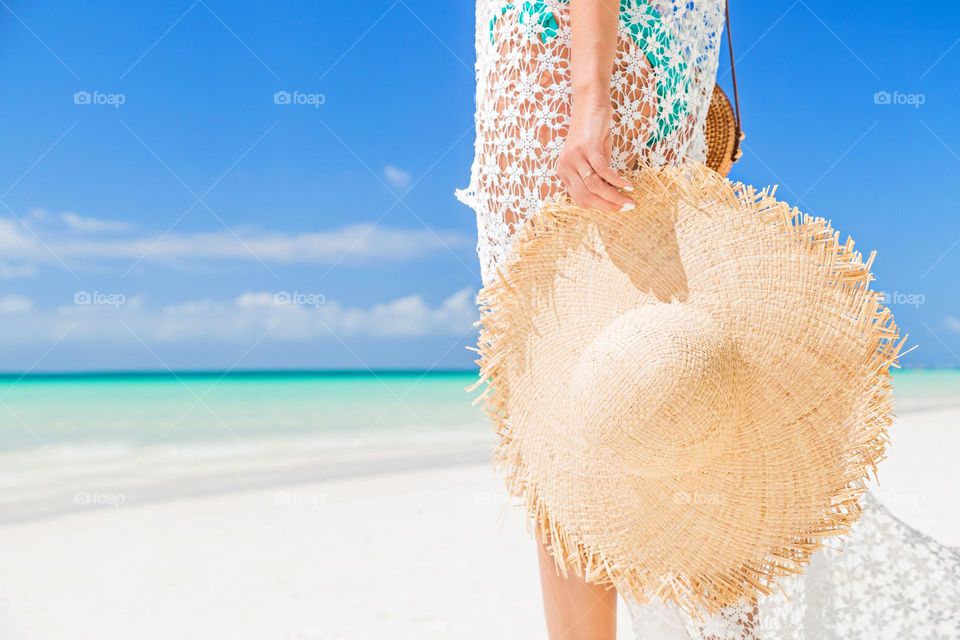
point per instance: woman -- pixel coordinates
(569, 94)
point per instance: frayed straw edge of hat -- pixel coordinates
(693, 183)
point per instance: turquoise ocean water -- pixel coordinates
(175, 407)
(70, 442)
(150, 408)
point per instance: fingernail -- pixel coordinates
(627, 207)
(629, 187)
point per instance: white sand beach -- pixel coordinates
(406, 553)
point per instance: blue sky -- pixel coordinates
(181, 200)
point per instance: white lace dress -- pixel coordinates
(885, 580)
(665, 70)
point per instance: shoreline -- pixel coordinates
(105, 498)
(166, 474)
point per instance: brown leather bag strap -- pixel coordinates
(733, 76)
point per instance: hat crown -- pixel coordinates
(657, 387)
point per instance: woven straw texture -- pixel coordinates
(689, 398)
(721, 132)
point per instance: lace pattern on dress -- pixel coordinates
(884, 581)
(661, 86)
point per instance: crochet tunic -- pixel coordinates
(661, 86)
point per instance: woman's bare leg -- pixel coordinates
(576, 610)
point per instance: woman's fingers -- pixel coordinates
(603, 189)
(601, 164)
(583, 196)
(588, 188)
(594, 184)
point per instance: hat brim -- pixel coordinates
(816, 345)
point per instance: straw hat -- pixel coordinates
(689, 397)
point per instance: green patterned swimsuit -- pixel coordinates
(648, 31)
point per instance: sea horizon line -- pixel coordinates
(6, 376)
(232, 373)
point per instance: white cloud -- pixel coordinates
(397, 177)
(952, 323)
(14, 237)
(11, 304)
(352, 243)
(9, 271)
(286, 316)
(91, 225)
(38, 215)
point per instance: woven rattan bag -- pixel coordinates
(724, 128)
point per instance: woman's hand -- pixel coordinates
(584, 162)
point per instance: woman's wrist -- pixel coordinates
(591, 92)
(584, 163)
(591, 100)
